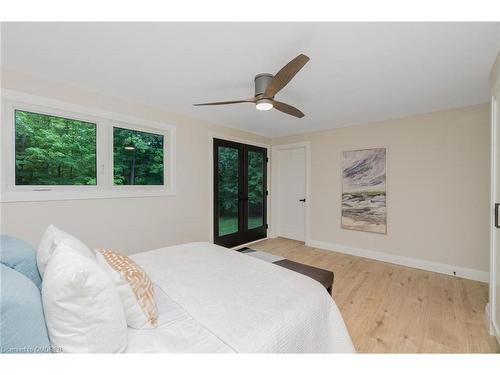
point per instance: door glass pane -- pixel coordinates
(228, 190)
(255, 190)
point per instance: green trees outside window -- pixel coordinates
(228, 190)
(137, 157)
(256, 165)
(51, 150)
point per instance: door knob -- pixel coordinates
(302, 200)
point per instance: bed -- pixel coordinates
(214, 300)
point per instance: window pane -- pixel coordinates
(255, 189)
(228, 190)
(137, 157)
(53, 150)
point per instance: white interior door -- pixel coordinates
(292, 193)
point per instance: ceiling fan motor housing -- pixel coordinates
(261, 82)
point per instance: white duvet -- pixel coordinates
(212, 299)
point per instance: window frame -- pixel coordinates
(105, 121)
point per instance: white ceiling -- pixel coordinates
(358, 73)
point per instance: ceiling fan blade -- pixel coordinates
(285, 75)
(288, 109)
(229, 102)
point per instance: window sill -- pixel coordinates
(54, 195)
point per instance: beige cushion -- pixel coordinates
(134, 287)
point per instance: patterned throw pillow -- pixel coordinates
(134, 287)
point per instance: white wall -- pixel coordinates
(438, 173)
(130, 224)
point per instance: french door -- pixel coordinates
(240, 193)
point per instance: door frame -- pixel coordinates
(275, 184)
(494, 237)
(211, 195)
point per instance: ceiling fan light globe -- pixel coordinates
(264, 105)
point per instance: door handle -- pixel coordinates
(497, 205)
(302, 200)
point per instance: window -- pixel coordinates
(52, 151)
(137, 157)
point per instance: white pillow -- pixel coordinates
(51, 238)
(134, 286)
(82, 308)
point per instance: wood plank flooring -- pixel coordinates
(394, 309)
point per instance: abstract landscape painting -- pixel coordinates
(364, 191)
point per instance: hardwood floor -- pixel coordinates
(393, 309)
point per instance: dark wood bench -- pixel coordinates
(324, 277)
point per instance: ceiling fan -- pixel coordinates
(267, 86)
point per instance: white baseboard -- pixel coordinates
(447, 269)
(489, 322)
(492, 328)
(496, 331)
